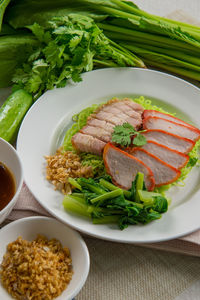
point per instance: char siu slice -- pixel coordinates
(123, 167)
(163, 172)
(169, 140)
(171, 127)
(155, 113)
(172, 157)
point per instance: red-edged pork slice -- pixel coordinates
(163, 172)
(172, 157)
(96, 132)
(101, 124)
(123, 167)
(87, 143)
(155, 113)
(171, 127)
(169, 140)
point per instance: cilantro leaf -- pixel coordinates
(68, 46)
(139, 140)
(122, 135)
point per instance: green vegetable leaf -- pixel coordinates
(68, 46)
(139, 140)
(160, 204)
(192, 161)
(40, 33)
(122, 135)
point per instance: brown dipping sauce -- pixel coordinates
(7, 186)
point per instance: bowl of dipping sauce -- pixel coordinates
(11, 178)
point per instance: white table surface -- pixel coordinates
(165, 7)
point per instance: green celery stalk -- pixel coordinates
(74, 183)
(137, 11)
(113, 187)
(176, 70)
(118, 32)
(164, 59)
(174, 53)
(74, 206)
(147, 197)
(78, 195)
(94, 188)
(139, 185)
(105, 63)
(108, 195)
(155, 26)
(133, 58)
(78, 198)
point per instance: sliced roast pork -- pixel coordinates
(171, 127)
(87, 143)
(117, 118)
(155, 113)
(172, 157)
(163, 172)
(98, 130)
(131, 118)
(135, 106)
(126, 109)
(169, 140)
(100, 124)
(123, 167)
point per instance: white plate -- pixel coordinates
(44, 126)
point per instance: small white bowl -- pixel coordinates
(10, 158)
(28, 228)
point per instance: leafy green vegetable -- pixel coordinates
(123, 134)
(160, 204)
(3, 5)
(69, 46)
(14, 49)
(122, 21)
(106, 203)
(192, 161)
(113, 187)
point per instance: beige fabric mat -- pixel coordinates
(127, 272)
